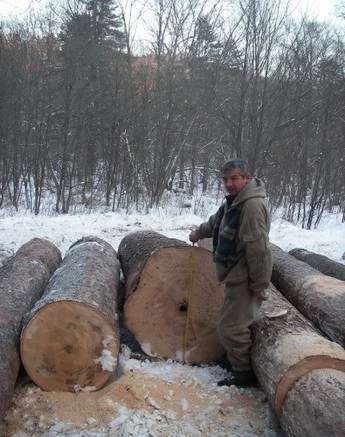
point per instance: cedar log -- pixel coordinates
(22, 281)
(320, 262)
(318, 297)
(301, 372)
(70, 340)
(173, 298)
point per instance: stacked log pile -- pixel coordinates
(301, 372)
(70, 339)
(172, 298)
(320, 262)
(22, 281)
(318, 297)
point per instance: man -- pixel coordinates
(243, 260)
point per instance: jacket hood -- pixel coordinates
(255, 188)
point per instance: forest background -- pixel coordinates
(88, 116)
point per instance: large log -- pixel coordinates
(320, 262)
(301, 372)
(173, 298)
(22, 281)
(318, 297)
(70, 340)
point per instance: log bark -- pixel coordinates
(22, 281)
(301, 372)
(70, 340)
(318, 297)
(320, 262)
(173, 298)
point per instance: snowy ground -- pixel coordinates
(328, 239)
(144, 399)
(147, 399)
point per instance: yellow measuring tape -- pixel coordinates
(189, 301)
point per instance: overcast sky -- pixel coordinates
(321, 9)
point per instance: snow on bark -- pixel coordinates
(70, 340)
(22, 281)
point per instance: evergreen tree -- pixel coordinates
(105, 24)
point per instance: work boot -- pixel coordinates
(239, 379)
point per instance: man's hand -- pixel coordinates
(261, 295)
(194, 236)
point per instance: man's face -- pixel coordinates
(234, 180)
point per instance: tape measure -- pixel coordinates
(188, 300)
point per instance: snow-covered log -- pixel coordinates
(22, 281)
(318, 297)
(301, 372)
(173, 298)
(70, 340)
(320, 262)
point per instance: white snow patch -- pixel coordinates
(323, 240)
(179, 354)
(114, 424)
(91, 421)
(87, 389)
(107, 341)
(146, 347)
(36, 262)
(172, 371)
(106, 360)
(184, 404)
(152, 402)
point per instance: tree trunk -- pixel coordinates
(301, 372)
(70, 340)
(320, 262)
(320, 298)
(22, 281)
(173, 298)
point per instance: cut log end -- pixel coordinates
(178, 298)
(69, 346)
(297, 371)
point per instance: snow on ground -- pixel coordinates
(328, 239)
(144, 398)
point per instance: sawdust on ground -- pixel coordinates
(136, 403)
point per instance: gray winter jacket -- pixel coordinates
(245, 238)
